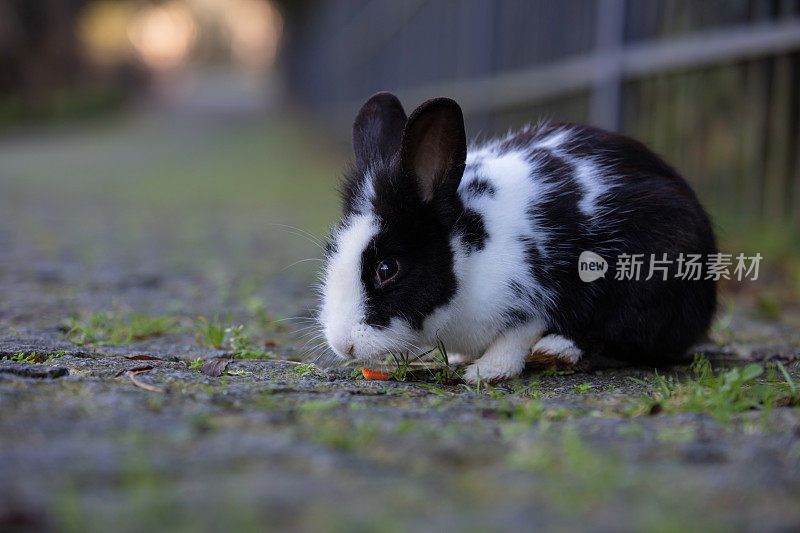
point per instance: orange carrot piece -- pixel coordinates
(373, 374)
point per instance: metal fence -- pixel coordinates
(713, 85)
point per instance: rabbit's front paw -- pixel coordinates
(505, 357)
(491, 371)
(459, 359)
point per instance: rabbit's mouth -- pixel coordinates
(362, 341)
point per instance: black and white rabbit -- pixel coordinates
(479, 247)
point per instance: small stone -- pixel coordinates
(32, 370)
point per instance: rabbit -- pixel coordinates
(479, 247)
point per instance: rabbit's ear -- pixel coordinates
(434, 148)
(377, 130)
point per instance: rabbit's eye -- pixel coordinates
(386, 270)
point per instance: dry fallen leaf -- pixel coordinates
(143, 358)
(215, 367)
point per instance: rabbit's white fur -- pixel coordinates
(343, 302)
(471, 324)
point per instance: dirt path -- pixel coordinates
(114, 240)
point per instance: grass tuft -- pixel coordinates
(212, 332)
(112, 327)
(309, 369)
(722, 394)
(242, 347)
(442, 372)
(32, 357)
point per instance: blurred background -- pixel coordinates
(184, 136)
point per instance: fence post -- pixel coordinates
(607, 75)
